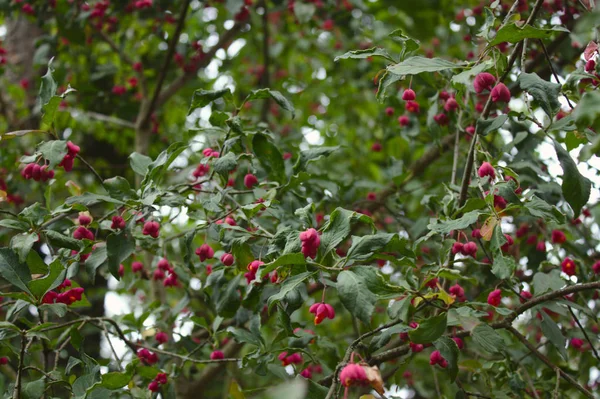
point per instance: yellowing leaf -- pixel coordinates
(374, 378)
(235, 391)
(74, 189)
(488, 228)
(2, 196)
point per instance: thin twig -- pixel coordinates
(486, 111)
(583, 331)
(553, 71)
(549, 363)
(18, 383)
(91, 168)
(145, 117)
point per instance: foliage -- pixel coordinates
(302, 199)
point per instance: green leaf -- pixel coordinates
(274, 95)
(304, 11)
(487, 338)
(225, 164)
(554, 335)
(312, 154)
(365, 247)
(88, 199)
(449, 351)
(539, 208)
(162, 162)
(22, 244)
(487, 126)
(464, 78)
(244, 336)
(54, 151)
(48, 86)
(34, 389)
(57, 239)
(118, 248)
(14, 224)
(513, 34)
(97, 258)
(288, 285)
(416, 65)
(575, 188)
(59, 309)
(400, 309)
(544, 92)
(366, 53)
(429, 330)
(355, 296)
(269, 156)
(544, 282)
(118, 187)
(283, 260)
(49, 113)
(409, 45)
(503, 266)
(386, 80)
(53, 279)
(445, 227)
(116, 380)
(587, 111)
(229, 299)
(202, 98)
(338, 227)
(13, 271)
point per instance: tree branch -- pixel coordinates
(178, 83)
(486, 111)
(548, 363)
(146, 111)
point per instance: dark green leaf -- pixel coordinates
(587, 112)
(115, 379)
(487, 126)
(202, 98)
(269, 156)
(554, 335)
(118, 187)
(62, 241)
(338, 227)
(445, 227)
(54, 151)
(416, 65)
(225, 164)
(539, 208)
(288, 285)
(544, 282)
(22, 244)
(48, 86)
(119, 247)
(283, 260)
(13, 271)
(275, 96)
(229, 299)
(88, 199)
(53, 279)
(429, 330)
(513, 34)
(449, 351)
(97, 258)
(312, 154)
(544, 92)
(355, 296)
(503, 266)
(575, 187)
(487, 338)
(366, 53)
